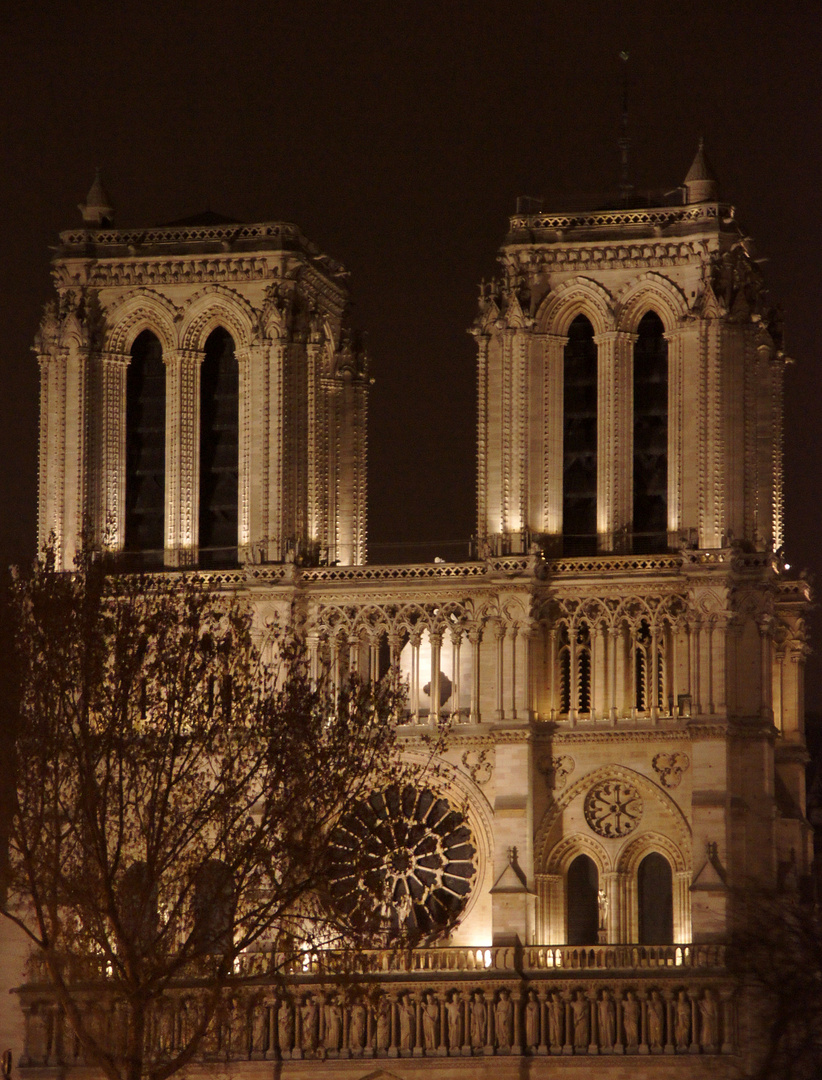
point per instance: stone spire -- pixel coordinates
(701, 183)
(97, 211)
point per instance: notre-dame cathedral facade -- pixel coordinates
(621, 663)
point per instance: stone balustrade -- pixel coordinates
(449, 1002)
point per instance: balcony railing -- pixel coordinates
(438, 1002)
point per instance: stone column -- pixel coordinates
(499, 635)
(475, 637)
(182, 456)
(615, 438)
(414, 689)
(456, 642)
(435, 638)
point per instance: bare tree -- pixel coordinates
(174, 800)
(776, 954)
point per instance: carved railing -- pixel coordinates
(449, 1002)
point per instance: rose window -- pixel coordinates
(613, 808)
(404, 856)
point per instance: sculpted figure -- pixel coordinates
(259, 1029)
(503, 1015)
(655, 1018)
(333, 1024)
(682, 1023)
(532, 1020)
(708, 1028)
(285, 1025)
(308, 1016)
(430, 1020)
(607, 1021)
(406, 1022)
(582, 1025)
(478, 1020)
(356, 1031)
(630, 1019)
(452, 1009)
(383, 1024)
(555, 1011)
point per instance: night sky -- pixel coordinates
(398, 136)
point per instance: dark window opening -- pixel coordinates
(579, 446)
(213, 908)
(145, 446)
(650, 436)
(583, 901)
(219, 450)
(656, 901)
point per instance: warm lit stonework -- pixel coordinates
(622, 662)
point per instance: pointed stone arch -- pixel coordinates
(213, 306)
(580, 296)
(650, 292)
(142, 309)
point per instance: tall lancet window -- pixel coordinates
(145, 446)
(579, 446)
(219, 441)
(650, 436)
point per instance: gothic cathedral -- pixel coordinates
(621, 663)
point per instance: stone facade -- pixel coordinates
(621, 665)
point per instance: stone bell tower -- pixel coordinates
(203, 399)
(630, 382)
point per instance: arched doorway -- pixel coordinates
(582, 904)
(655, 895)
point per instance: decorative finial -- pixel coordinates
(97, 211)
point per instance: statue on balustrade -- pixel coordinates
(682, 1024)
(453, 1007)
(430, 1021)
(333, 1024)
(479, 1020)
(383, 1039)
(285, 1026)
(630, 1020)
(532, 1021)
(308, 1016)
(407, 1018)
(556, 1010)
(582, 1024)
(655, 1022)
(607, 1021)
(503, 1016)
(356, 1031)
(708, 1035)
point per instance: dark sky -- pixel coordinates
(398, 135)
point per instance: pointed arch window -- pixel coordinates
(145, 446)
(650, 669)
(219, 449)
(574, 674)
(656, 900)
(582, 901)
(579, 444)
(650, 509)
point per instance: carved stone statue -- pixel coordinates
(682, 1021)
(655, 1021)
(356, 1031)
(607, 1021)
(333, 1024)
(308, 1016)
(582, 1024)
(430, 1021)
(630, 1019)
(555, 1018)
(285, 1025)
(453, 1009)
(532, 1020)
(479, 1020)
(407, 1018)
(503, 1016)
(602, 905)
(708, 1027)
(383, 1039)
(259, 1028)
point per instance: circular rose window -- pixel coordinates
(613, 808)
(404, 857)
